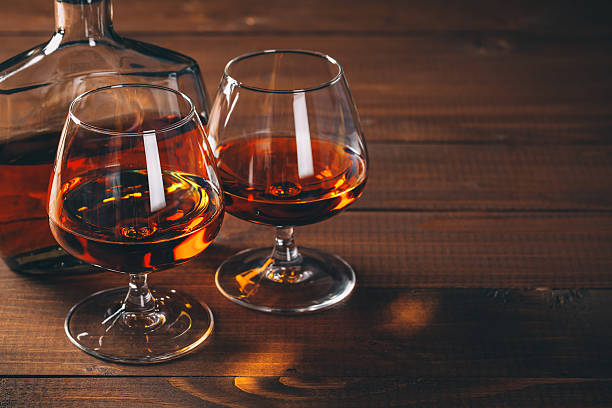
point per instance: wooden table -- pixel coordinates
(482, 244)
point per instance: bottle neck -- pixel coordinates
(83, 19)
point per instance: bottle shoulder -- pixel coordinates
(58, 60)
(157, 52)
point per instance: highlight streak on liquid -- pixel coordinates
(191, 246)
(344, 201)
(147, 260)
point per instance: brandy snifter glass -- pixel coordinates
(290, 151)
(134, 190)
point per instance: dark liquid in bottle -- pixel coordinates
(26, 243)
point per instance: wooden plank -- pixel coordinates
(472, 88)
(491, 178)
(388, 327)
(425, 250)
(435, 249)
(379, 332)
(311, 392)
(487, 177)
(559, 17)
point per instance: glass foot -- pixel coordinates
(316, 281)
(99, 326)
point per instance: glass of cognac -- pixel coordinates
(134, 190)
(289, 148)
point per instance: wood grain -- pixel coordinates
(389, 16)
(391, 249)
(472, 88)
(389, 327)
(488, 177)
(379, 332)
(244, 392)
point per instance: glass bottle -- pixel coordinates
(36, 89)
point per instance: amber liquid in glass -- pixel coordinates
(109, 218)
(277, 181)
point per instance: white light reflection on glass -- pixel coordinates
(302, 136)
(82, 335)
(157, 199)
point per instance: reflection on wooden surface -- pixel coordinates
(425, 346)
(378, 332)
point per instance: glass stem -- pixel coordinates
(139, 298)
(285, 251)
(286, 266)
(139, 307)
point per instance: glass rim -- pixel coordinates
(98, 129)
(317, 54)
